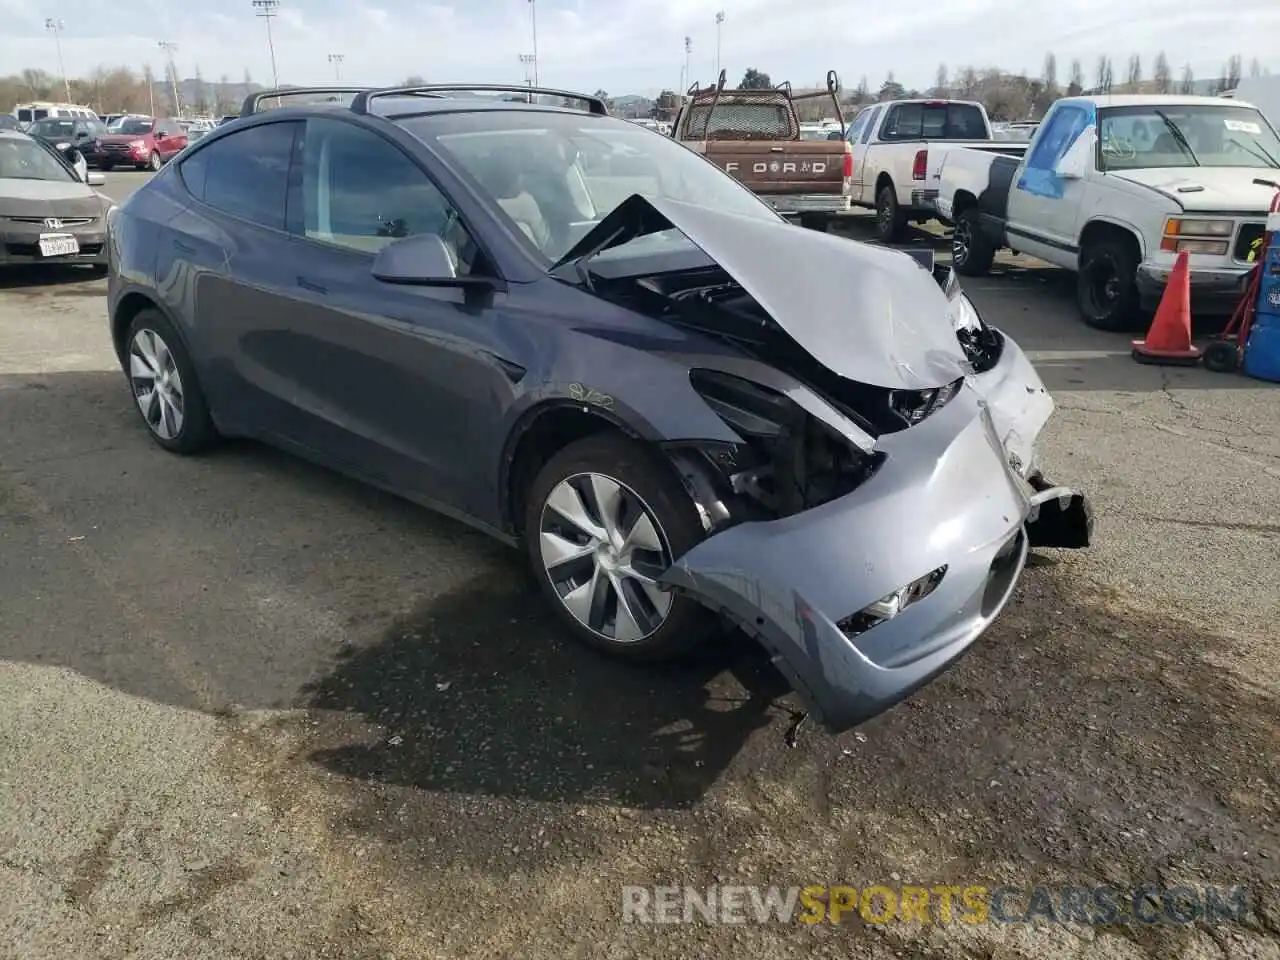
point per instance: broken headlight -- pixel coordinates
(888, 607)
(789, 460)
(981, 344)
(914, 405)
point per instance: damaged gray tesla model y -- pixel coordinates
(586, 339)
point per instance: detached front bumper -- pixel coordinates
(943, 498)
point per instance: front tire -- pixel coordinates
(605, 518)
(165, 389)
(1107, 285)
(972, 251)
(890, 221)
(154, 163)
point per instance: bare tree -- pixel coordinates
(1163, 78)
(969, 83)
(1188, 84)
(202, 94)
(1075, 85)
(940, 84)
(1134, 76)
(1255, 68)
(1232, 77)
(1050, 73)
(225, 103)
(862, 92)
(1106, 75)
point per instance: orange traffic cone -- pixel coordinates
(1168, 341)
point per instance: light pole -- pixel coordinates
(336, 59)
(169, 48)
(719, 24)
(267, 10)
(533, 23)
(56, 26)
(684, 77)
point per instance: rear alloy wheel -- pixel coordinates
(164, 385)
(605, 519)
(889, 219)
(154, 162)
(972, 253)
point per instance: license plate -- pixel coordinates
(58, 245)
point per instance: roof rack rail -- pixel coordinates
(361, 102)
(252, 103)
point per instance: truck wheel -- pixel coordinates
(972, 251)
(1107, 285)
(889, 219)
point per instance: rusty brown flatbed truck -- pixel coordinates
(755, 135)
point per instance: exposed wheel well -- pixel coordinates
(551, 430)
(882, 181)
(962, 202)
(1100, 230)
(129, 307)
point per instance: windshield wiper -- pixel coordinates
(1257, 150)
(1178, 135)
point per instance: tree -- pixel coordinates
(891, 89)
(413, 81)
(753, 79)
(1134, 76)
(1106, 76)
(1232, 77)
(601, 95)
(1050, 73)
(1188, 84)
(940, 85)
(224, 102)
(1163, 78)
(862, 93)
(202, 94)
(1075, 85)
(969, 83)
(149, 78)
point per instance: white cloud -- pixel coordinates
(638, 45)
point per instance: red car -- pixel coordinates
(142, 142)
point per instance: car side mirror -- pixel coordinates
(96, 180)
(421, 260)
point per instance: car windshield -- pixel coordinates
(22, 159)
(52, 127)
(1177, 135)
(135, 125)
(556, 175)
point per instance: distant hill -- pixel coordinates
(215, 97)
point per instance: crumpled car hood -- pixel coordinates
(866, 313)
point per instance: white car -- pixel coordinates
(1114, 189)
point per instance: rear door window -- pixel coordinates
(934, 121)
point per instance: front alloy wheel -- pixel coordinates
(603, 552)
(157, 384)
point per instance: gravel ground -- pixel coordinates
(249, 709)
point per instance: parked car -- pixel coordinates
(756, 135)
(65, 132)
(48, 214)
(583, 339)
(895, 147)
(141, 142)
(1114, 188)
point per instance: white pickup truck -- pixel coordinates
(898, 145)
(1114, 188)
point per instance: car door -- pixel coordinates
(223, 260)
(401, 381)
(864, 189)
(170, 139)
(1044, 206)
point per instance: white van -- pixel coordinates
(31, 112)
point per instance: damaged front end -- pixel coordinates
(871, 521)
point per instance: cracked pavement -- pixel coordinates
(249, 709)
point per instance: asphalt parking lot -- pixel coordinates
(250, 709)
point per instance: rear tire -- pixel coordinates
(972, 251)
(163, 382)
(620, 492)
(890, 221)
(1107, 285)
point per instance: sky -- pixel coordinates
(635, 46)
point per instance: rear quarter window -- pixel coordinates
(245, 174)
(928, 121)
